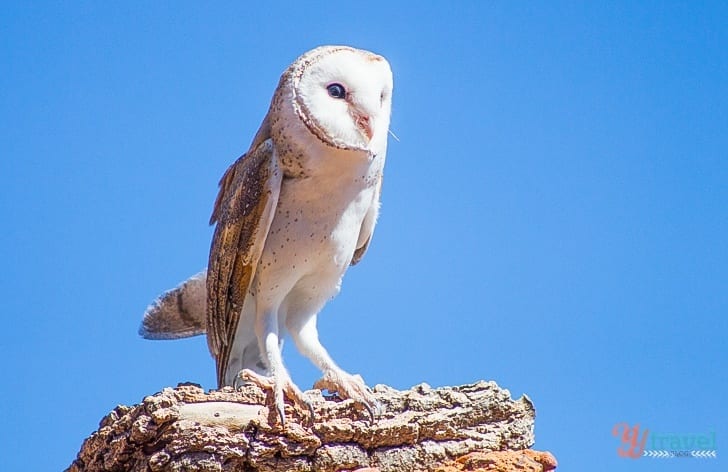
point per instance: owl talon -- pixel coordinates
(370, 409)
(312, 416)
(239, 382)
(281, 388)
(373, 407)
(297, 397)
(247, 376)
(280, 405)
(348, 386)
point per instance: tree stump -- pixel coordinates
(470, 427)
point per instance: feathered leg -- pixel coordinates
(335, 379)
(278, 381)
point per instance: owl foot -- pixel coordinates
(348, 386)
(278, 385)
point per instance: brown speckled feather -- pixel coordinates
(243, 211)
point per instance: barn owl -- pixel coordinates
(291, 215)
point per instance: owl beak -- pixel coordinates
(364, 124)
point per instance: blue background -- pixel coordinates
(555, 214)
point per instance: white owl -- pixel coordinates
(292, 214)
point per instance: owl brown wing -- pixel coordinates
(367, 226)
(243, 211)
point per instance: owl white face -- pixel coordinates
(344, 96)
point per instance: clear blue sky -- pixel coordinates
(555, 215)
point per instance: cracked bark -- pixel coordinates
(469, 427)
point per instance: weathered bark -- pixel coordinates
(447, 429)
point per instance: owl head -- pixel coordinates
(340, 95)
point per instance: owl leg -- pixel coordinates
(335, 379)
(279, 381)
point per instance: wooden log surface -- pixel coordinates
(469, 427)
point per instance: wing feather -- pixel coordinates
(243, 211)
(367, 226)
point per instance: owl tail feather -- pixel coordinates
(178, 313)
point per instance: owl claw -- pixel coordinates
(278, 385)
(280, 404)
(348, 386)
(370, 410)
(238, 381)
(374, 409)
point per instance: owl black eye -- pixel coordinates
(336, 91)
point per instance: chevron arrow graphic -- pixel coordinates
(704, 454)
(658, 454)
